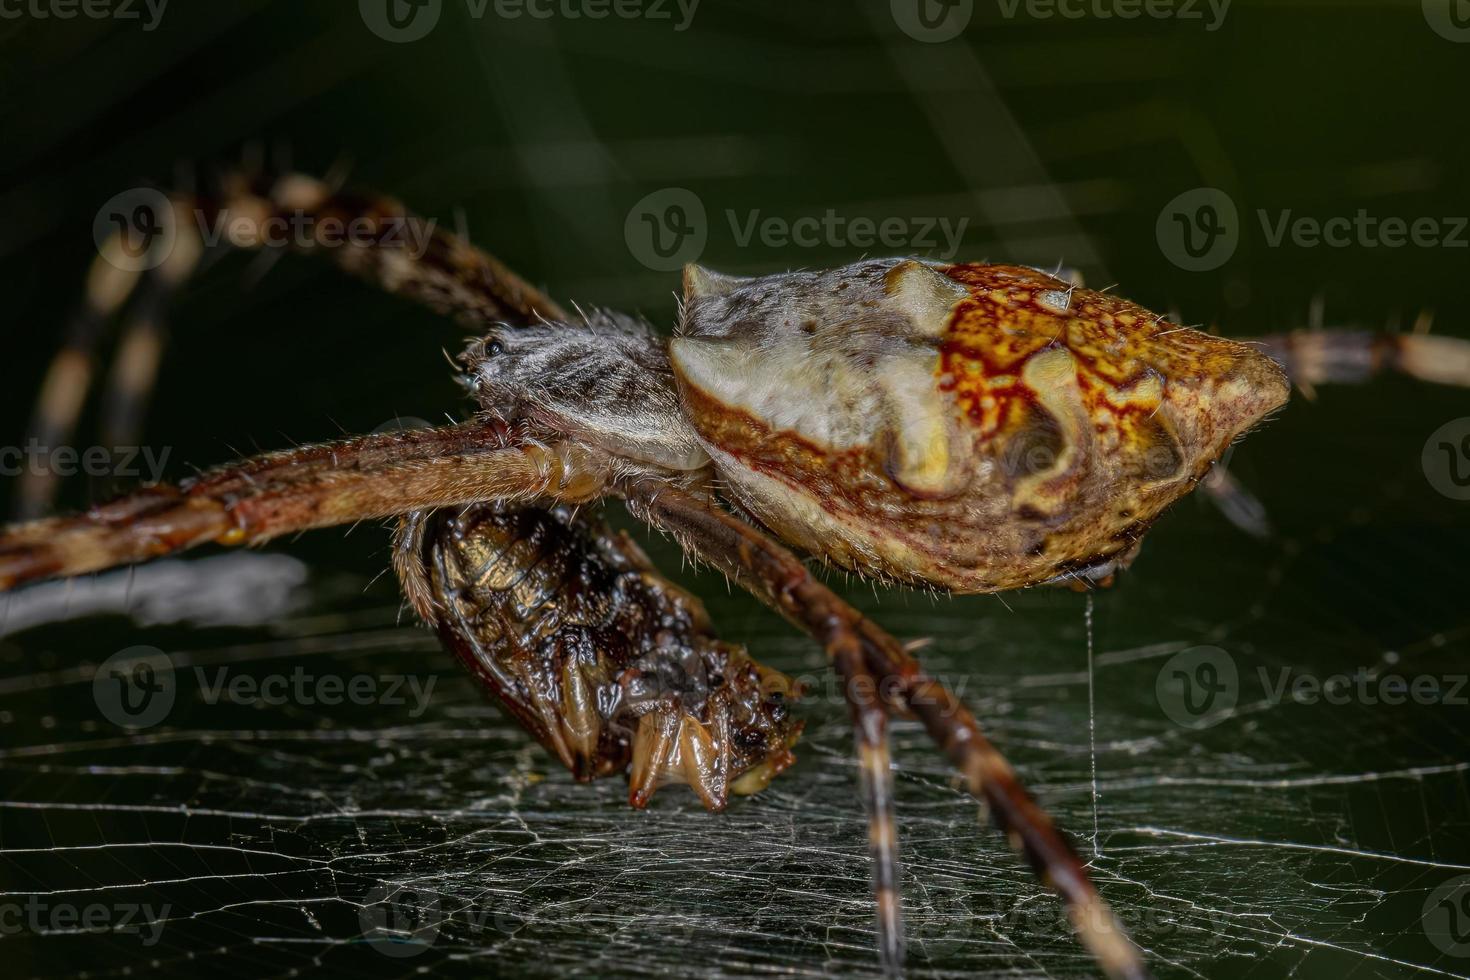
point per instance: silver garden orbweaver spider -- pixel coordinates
(975, 428)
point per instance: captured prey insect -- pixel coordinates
(610, 665)
(970, 427)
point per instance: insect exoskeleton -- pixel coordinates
(610, 665)
(976, 427)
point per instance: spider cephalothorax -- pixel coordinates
(975, 427)
(978, 427)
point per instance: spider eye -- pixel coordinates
(494, 347)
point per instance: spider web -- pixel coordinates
(1267, 837)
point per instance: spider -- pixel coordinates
(965, 427)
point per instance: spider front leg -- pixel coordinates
(317, 486)
(775, 575)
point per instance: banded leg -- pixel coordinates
(316, 486)
(374, 238)
(1315, 357)
(1321, 356)
(875, 773)
(110, 284)
(775, 575)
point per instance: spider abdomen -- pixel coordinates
(975, 427)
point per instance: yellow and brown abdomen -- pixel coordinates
(977, 427)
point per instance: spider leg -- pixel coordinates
(372, 237)
(111, 281)
(384, 243)
(1314, 357)
(1236, 502)
(774, 574)
(316, 486)
(870, 728)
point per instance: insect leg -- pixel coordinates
(775, 575)
(257, 499)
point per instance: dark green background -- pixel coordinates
(1287, 839)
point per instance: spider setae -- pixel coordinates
(968, 427)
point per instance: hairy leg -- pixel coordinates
(257, 499)
(372, 237)
(775, 575)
